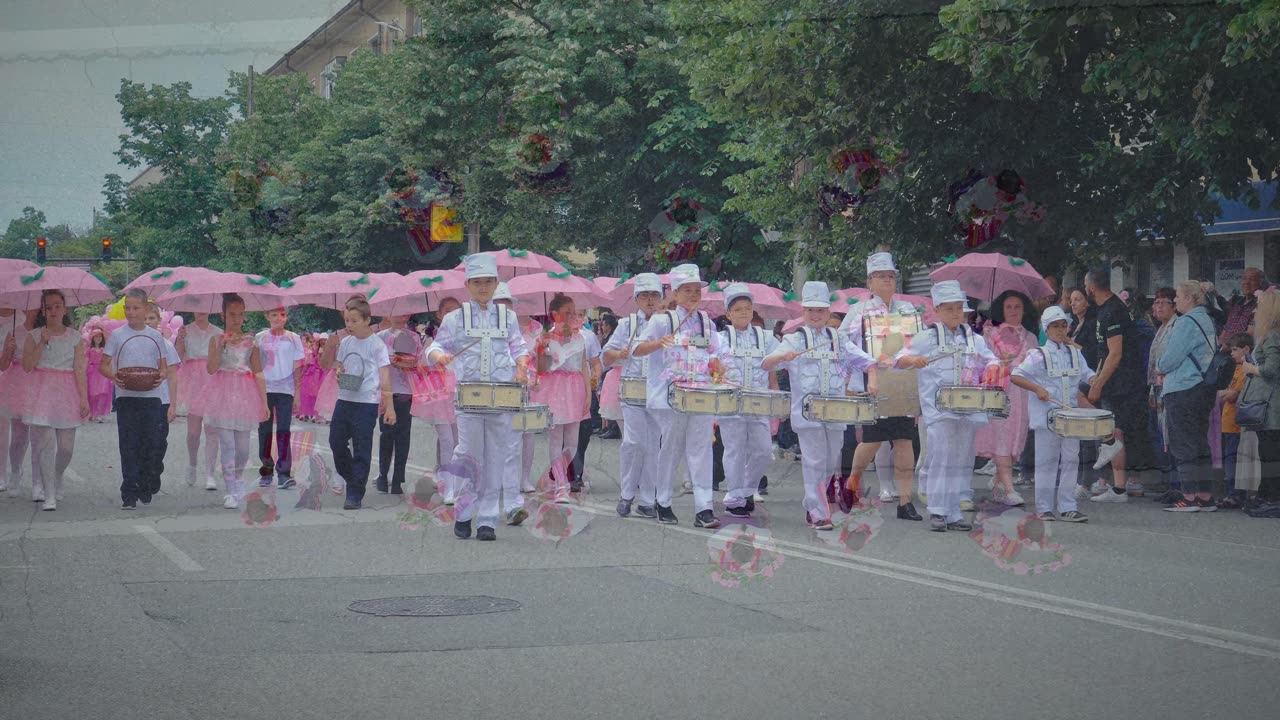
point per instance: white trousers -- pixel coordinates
(950, 466)
(747, 454)
(819, 463)
(1057, 461)
(685, 438)
(486, 439)
(512, 498)
(638, 455)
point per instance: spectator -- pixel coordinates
(1164, 313)
(1215, 304)
(1083, 316)
(1264, 375)
(1241, 345)
(1242, 307)
(1188, 398)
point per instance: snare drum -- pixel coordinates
(491, 397)
(1082, 423)
(846, 410)
(634, 390)
(532, 418)
(764, 403)
(703, 399)
(971, 400)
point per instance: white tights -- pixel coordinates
(235, 456)
(195, 425)
(562, 445)
(51, 464)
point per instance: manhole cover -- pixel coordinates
(434, 605)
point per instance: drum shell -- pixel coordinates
(764, 403)
(1096, 427)
(848, 410)
(971, 400)
(634, 391)
(702, 400)
(532, 418)
(491, 397)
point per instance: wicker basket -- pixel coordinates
(348, 381)
(139, 378)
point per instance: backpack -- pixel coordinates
(1222, 366)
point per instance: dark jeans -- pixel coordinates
(1230, 446)
(1027, 463)
(586, 429)
(393, 440)
(1163, 462)
(351, 442)
(143, 438)
(1187, 413)
(1269, 454)
(281, 406)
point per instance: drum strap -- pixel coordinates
(748, 374)
(704, 320)
(486, 335)
(824, 357)
(635, 333)
(947, 349)
(1064, 375)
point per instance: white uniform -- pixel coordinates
(1059, 369)
(950, 455)
(485, 438)
(641, 433)
(747, 448)
(837, 364)
(684, 437)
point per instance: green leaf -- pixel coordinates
(625, 277)
(517, 253)
(161, 274)
(260, 280)
(950, 258)
(362, 280)
(178, 285)
(1017, 262)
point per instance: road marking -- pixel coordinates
(168, 549)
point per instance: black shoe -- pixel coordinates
(665, 516)
(380, 484)
(1264, 509)
(741, 512)
(462, 529)
(351, 504)
(751, 505)
(715, 487)
(938, 523)
(129, 505)
(286, 482)
(486, 533)
(646, 511)
(961, 525)
(706, 519)
(146, 499)
(575, 486)
(611, 434)
(908, 512)
(764, 485)
(397, 488)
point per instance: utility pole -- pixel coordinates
(473, 238)
(249, 92)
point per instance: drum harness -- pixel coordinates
(944, 348)
(824, 357)
(697, 341)
(486, 336)
(748, 372)
(1064, 375)
(635, 328)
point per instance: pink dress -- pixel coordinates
(1006, 437)
(611, 394)
(433, 395)
(99, 386)
(327, 397)
(563, 388)
(11, 380)
(309, 387)
(193, 373)
(50, 397)
(231, 398)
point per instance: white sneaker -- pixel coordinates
(1107, 453)
(886, 496)
(988, 469)
(757, 497)
(966, 506)
(450, 499)
(15, 482)
(37, 493)
(50, 503)
(1013, 499)
(229, 502)
(210, 484)
(1082, 493)
(561, 496)
(1110, 497)
(1099, 487)
(191, 476)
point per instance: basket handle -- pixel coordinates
(159, 352)
(349, 354)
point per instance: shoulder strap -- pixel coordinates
(1192, 354)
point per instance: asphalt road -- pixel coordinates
(187, 610)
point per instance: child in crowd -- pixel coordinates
(393, 438)
(282, 355)
(1241, 345)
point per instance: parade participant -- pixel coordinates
(521, 446)
(820, 361)
(900, 432)
(361, 359)
(640, 429)
(564, 385)
(234, 400)
(282, 355)
(1012, 334)
(393, 440)
(485, 339)
(747, 447)
(55, 392)
(686, 348)
(14, 433)
(140, 418)
(949, 353)
(99, 388)
(433, 401)
(312, 376)
(1051, 376)
(327, 395)
(169, 386)
(588, 426)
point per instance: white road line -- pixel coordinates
(171, 551)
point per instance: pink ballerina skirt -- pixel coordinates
(11, 384)
(193, 376)
(565, 393)
(610, 395)
(229, 400)
(433, 395)
(327, 397)
(50, 399)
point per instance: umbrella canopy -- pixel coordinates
(333, 289)
(162, 278)
(421, 291)
(622, 294)
(986, 275)
(534, 291)
(21, 290)
(14, 265)
(768, 301)
(514, 262)
(204, 293)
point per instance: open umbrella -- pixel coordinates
(162, 278)
(538, 290)
(767, 300)
(204, 293)
(21, 290)
(14, 265)
(333, 289)
(421, 291)
(514, 262)
(986, 275)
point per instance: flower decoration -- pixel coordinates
(855, 173)
(1018, 542)
(260, 509)
(741, 553)
(982, 205)
(544, 167)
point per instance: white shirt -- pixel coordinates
(745, 365)
(279, 353)
(570, 356)
(405, 341)
(842, 361)
(196, 342)
(364, 358)
(1064, 373)
(592, 343)
(946, 371)
(684, 361)
(171, 357)
(622, 338)
(144, 352)
(469, 363)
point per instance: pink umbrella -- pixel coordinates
(204, 293)
(624, 290)
(15, 265)
(514, 262)
(21, 290)
(421, 291)
(537, 290)
(986, 275)
(162, 278)
(333, 289)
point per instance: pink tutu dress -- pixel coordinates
(433, 395)
(563, 388)
(231, 398)
(50, 397)
(193, 373)
(611, 394)
(309, 388)
(327, 397)
(12, 380)
(99, 386)
(1006, 437)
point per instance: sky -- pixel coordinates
(61, 62)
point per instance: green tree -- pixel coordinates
(19, 239)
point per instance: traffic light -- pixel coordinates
(41, 245)
(106, 249)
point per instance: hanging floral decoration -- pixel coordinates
(269, 193)
(682, 230)
(855, 173)
(544, 167)
(425, 203)
(982, 205)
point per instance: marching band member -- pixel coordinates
(748, 449)
(944, 354)
(486, 339)
(820, 361)
(1053, 375)
(640, 426)
(899, 432)
(688, 349)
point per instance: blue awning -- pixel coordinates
(1238, 217)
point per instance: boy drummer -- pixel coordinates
(1053, 375)
(639, 425)
(484, 337)
(747, 447)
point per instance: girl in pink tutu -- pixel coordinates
(55, 392)
(1011, 334)
(99, 387)
(564, 385)
(193, 374)
(312, 376)
(327, 395)
(234, 400)
(433, 393)
(14, 433)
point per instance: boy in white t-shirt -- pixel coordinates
(282, 356)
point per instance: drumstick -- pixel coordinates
(461, 350)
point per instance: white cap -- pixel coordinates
(1053, 314)
(481, 266)
(684, 275)
(949, 291)
(646, 282)
(734, 291)
(815, 295)
(880, 262)
(503, 292)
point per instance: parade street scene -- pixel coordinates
(669, 358)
